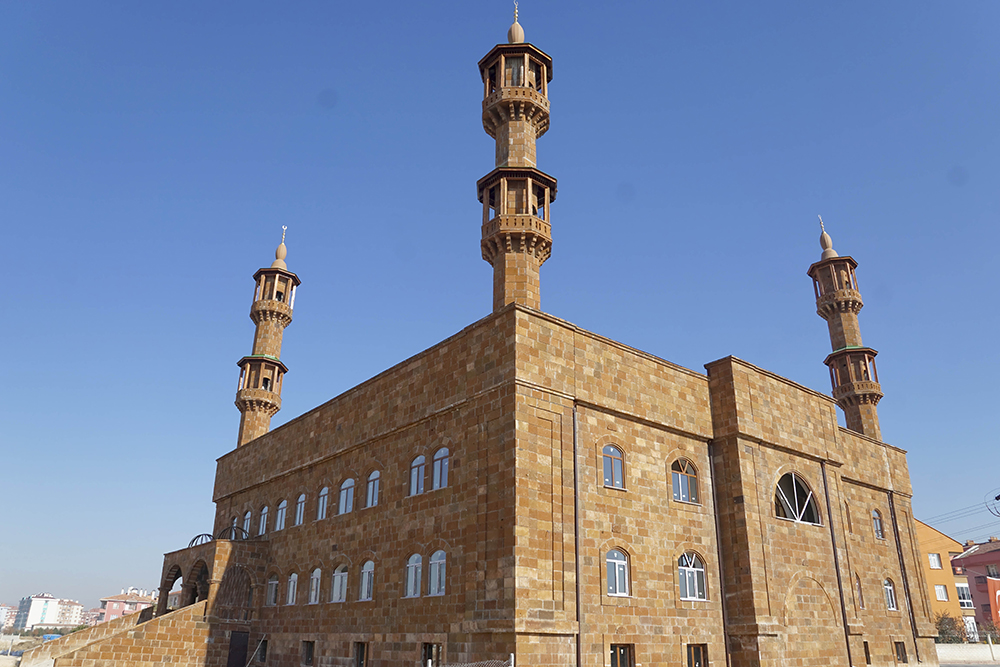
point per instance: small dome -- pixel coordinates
(826, 243)
(280, 253)
(516, 33)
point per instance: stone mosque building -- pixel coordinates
(527, 487)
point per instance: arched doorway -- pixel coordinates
(814, 636)
(234, 601)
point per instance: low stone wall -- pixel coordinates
(44, 654)
(977, 653)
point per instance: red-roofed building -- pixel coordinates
(982, 566)
(127, 602)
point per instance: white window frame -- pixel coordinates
(417, 474)
(890, 595)
(878, 525)
(262, 528)
(271, 597)
(613, 467)
(616, 563)
(439, 471)
(292, 592)
(367, 581)
(935, 561)
(300, 509)
(414, 570)
(372, 488)
(324, 498)
(691, 575)
(314, 582)
(941, 592)
(346, 504)
(438, 564)
(279, 517)
(965, 601)
(792, 507)
(247, 520)
(338, 585)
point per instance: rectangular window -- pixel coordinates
(868, 654)
(262, 651)
(964, 596)
(697, 655)
(622, 655)
(991, 570)
(941, 592)
(981, 581)
(935, 560)
(430, 655)
(900, 652)
(308, 651)
(986, 610)
(360, 654)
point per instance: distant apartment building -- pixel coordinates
(7, 615)
(44, 610)
(947, 584)
(128, 601)
(981, 563)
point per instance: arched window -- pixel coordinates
(263, 521)
(847, 516)
(371, 493)
(293, 584)
(367, 581)
(877, 524)
(279, 518)
(413, 567)
(439, 476)
(300, 510)
(438, 559)
(691, 573)
(417, 476)
(617, 563)
(271, 598)
(247, 519)
(235, 522)
(861, 593)
(314, 586)
(614, 467)
(684, 479)
(890, 595)
(346, 496)
(794, 501)
(324, 496)
(338, 589)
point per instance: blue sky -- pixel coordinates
(152, 152)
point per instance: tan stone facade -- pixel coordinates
(569, 499)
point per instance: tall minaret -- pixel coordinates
(258, 396)
(852, 366)
(517, 231)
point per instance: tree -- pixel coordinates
(950, 629)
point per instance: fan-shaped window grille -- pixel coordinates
(793, 500)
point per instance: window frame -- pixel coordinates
(372, 488)
(414, 576)
(338, 583)
(418, 471)
(859, 591)
(300, 509)
(679, 477)
(247, 522)
(345, 502)
(366, 592)
(621, 577)
(688, 572)
(797, 513)
(271, 591)
(315, 579)
(292, 589)
(262, 524)
(322, 503)
(878, 524)
(940, 589)
(438, 573)
(609, 459)
(967, 598)
(934, 558)
(280, 515)
(889, 588)
(439, 469)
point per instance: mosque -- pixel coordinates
(530, 491)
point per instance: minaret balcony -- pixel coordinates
(857, 393)
(840, 301)
(513, 103)
(264, 310)
(258, 400)
(517, 233)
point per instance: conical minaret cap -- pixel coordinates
(280, 253)
(515, 35)
(826, 243)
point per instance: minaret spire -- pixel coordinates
(258, 395)
(516, 195)
(852, 366)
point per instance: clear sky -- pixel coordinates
(151, 152)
